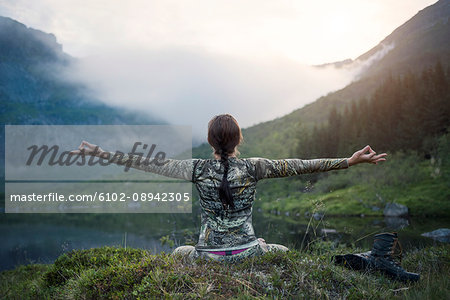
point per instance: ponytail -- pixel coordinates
(224, 135)
(224, 190)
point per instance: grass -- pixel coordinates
(422, 185)
(119, 273)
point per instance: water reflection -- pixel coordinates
(396, 223)
(352, 231)
(43, 243)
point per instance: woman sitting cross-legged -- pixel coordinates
(227, 185)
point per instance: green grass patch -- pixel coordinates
(422, 185)
(118, 273)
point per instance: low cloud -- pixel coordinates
(188, 86)
(360, 66)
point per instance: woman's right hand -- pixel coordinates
(87, 148)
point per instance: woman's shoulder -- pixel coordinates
(249, 162)
(233, 161)
(255, 160)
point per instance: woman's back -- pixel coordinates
(232, 227)
(225, 228)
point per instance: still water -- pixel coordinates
(41, 238)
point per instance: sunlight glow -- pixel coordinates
(311, 32)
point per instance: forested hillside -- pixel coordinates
(399, 105)
(408, 116)
(408, 112)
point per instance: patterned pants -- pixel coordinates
(190, 253)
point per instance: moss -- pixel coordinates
(24, 282)
(118, 273)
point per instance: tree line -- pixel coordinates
(407, 112)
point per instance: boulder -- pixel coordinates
(395, 210)
(441, 235)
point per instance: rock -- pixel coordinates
(441, 235)
(395, 210)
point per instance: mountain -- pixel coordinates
(34, 91)
(416, 45)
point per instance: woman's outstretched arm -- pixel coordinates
(181, 169)
(266, 168)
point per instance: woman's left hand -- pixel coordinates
(366, 155)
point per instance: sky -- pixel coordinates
(185, 61)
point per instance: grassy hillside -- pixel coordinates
(119, 273)
(364, 190)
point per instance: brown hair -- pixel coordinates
(224, 135)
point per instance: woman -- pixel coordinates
(226, 185)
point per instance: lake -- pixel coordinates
(41, 238)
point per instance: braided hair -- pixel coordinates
(224, 135)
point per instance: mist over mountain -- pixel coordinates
(418, 44)
(413, 46)
(33, 89)
(190, 85)
(40, 84)
(179, 85)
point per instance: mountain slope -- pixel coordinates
(419, 43)
(33, 90)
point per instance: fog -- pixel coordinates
(188, 86)
(187, 61)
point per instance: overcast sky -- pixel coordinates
(188, 60)
(310, 32)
